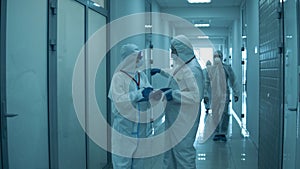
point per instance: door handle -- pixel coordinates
(292, 109)
(10, 115)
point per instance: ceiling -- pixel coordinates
(184, 3)
(219, 13)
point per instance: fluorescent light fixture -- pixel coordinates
(96, 4)
(199, 1)
(255, 49)
(203, 37)
(201, 25)
(148, 26)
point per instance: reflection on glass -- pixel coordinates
(71, 137)
(98, 3)
(97, 157)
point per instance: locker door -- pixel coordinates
(271, 85)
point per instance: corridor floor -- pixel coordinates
(236, 153)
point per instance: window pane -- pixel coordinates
(203, 55)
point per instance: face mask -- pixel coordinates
(217, 60)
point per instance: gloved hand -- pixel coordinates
(169, 96)
(236, 98)
(154, 71)
(156, 95)
(206, 100)
(147, 91)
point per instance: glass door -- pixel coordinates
(24, 85)
(70, 40)
(77, 22)
(96, 156)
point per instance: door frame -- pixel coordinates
(298, 111)
(3, 121)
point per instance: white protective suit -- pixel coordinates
(207, 87)
(232, 83)
(221, 78)
(186, 82)
(215, 83)
(127, 112)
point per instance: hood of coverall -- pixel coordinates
(219, 53)
(129, 55)
(183, 47)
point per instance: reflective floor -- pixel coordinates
(236, 153)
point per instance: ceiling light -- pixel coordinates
(199, 1)
(148, 26)
(203, 37)
(96, 4)
(201, 25)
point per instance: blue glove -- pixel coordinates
(147, 91)
(154, 71)
(169, 96)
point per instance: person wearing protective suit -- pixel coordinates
(231, 82)
(207, 87)
(182, 112)
(215, 95)
(128, 87)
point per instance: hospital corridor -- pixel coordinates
(149, 84)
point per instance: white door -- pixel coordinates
(26, 84)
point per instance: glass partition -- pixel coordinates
(97, 157)
(71, 36)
